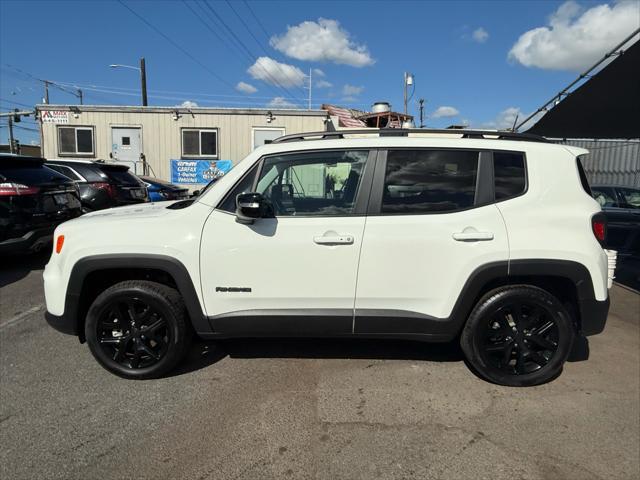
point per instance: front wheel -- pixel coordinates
(518, 336)
(138, 329)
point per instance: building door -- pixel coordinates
(126, 147)
(262, 135)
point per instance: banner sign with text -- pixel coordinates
(197, 172)
(54, 116)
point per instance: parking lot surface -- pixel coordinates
(318, 409)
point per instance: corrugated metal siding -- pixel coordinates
(161, 134)
(613, 162)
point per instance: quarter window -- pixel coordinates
(509, 171)
(631, 197)
(200, 143)
(426, 181)
(318, 183)
(75, 141)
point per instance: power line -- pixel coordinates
(12, 102)
(176, 45)
(255, 17)
(251, 55)
(257, 41)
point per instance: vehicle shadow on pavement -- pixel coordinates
(204, 353)
(16, 267)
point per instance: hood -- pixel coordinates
(141, 210)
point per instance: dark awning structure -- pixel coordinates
(605, 106)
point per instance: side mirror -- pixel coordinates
(250, 206)
(195, 193)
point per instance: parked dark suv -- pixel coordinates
(33, 200)
(102, 185)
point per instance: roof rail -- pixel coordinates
(404, 132)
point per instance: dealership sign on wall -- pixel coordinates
(54, 116)
(196, 172)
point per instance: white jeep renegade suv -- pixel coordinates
(491, 238)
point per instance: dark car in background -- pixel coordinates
(102, 185)
(621, 205)
(34, 200)
(160, 190)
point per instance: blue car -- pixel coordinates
(160, 190)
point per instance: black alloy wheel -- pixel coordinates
(518, 335)
(520, 338)
(133, 333)
(138, 329)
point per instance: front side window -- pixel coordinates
(200, 143)
(428, 181)
(317, 183)
(75, 141)
(510, 176)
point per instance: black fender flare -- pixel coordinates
(164, 263)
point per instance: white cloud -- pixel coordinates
(349, 98)
(323, 84)
(480, 35)
(445, 112)
(321, 41)
(351, 90)
(318, 73)
(280, 102)
(275, 73)
(188, 104)
(506, 118)
(576, 38)
(246, 88)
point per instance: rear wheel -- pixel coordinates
(518, 336)
(138, 329)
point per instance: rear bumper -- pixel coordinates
(594, 315)
(30, 241)
(62, 323)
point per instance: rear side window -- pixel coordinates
(90, 172)
(605, 196)
(121, 176)
(583, 176)
(32, 175)
(509, 173)
(66, 171)
(427, 181)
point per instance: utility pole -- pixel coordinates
(408, 80)
(143, 80)
(310, 89)
(46, 92)
(11, 141)
(80, 96)
(421, 101)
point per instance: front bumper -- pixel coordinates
(34, 240)
(62, 323)
(593, 314)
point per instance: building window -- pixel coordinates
(75, 141)
(199, 142)
(427, 181)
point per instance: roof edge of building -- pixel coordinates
(166, 109)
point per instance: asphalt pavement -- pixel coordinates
(316, 409)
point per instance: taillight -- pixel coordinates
(17, 189)
(107, 187)
(599, 227)
(59, 243)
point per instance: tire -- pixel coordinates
(518, 336)
(138, 329)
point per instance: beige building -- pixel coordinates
(176, 144)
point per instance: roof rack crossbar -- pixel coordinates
(404, 132)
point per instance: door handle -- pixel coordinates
(334, 240)
(472, 236)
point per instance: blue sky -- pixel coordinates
(459, 52)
